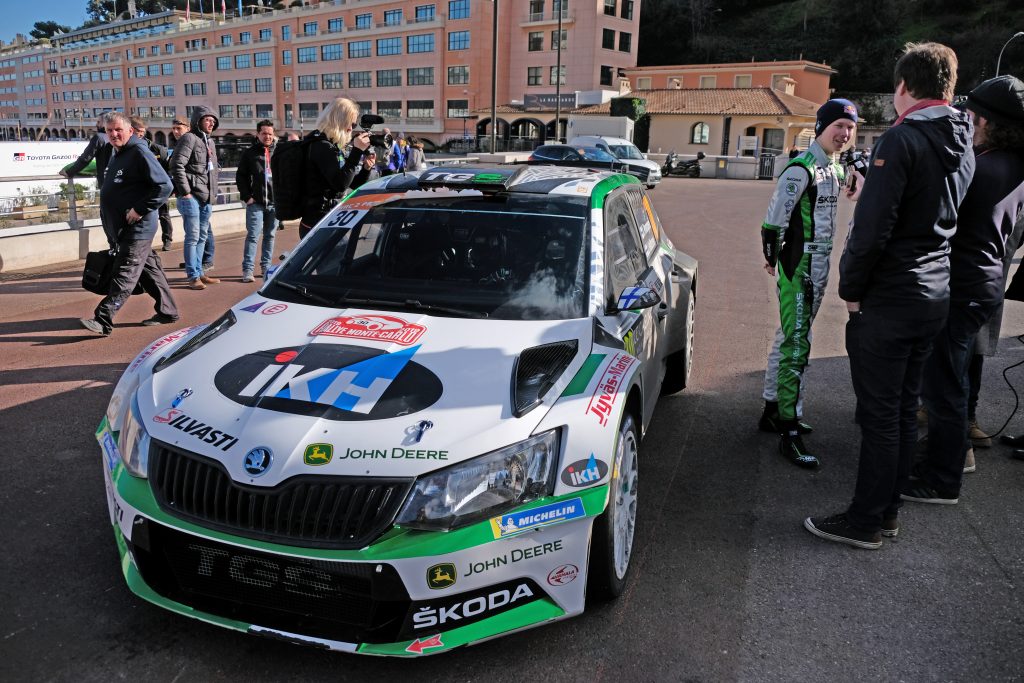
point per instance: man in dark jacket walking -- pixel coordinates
(986, 219)
(134, 187)
(194, 172)
(256, 189)
(163, 157)
(894, 276)
(96, 149)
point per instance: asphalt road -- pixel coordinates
(726, 584)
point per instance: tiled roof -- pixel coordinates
(813, 66)
(716, 101)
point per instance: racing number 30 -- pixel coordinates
(343, 219)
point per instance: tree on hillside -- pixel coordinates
(47, 29)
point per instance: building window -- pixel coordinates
(245, 37)
(533, 75)
(224, 87)
(420, 76)
(194, 65)
(458, 75)
(392, 17)
(308, 110)
(243, 61)
(308, 82)
(309, 28)
(286, 33)
(168, 48)
(389, 46)
(608, 39)
(286, 56)
(359, 48)
(165, 69)
(244, 86)
(306, 54)
(390, 109)
(154, 91)
(424, 13)
(168, 91)
(153, 70)
(331, 81)
(536, 10)
(421, 109)
(559, 6)
(742, 81)
(245, 111)
(458, 40)
(262, 58)
(708, 81)
(191, 89)
(226, 111)
(699, 133)
(424, 43)
(535, 42)
(458, 9)
(264, 111)
(364, 20)
(554, 71)
(458, 108)
(141, 52)
(264, 85)
(606, 75)
(331, 53)
(625, 41)
(286, 84)
(359, 79)
(554, 39)
(609, 8)
(627, 9)
(335, 25)
(389, 77)
(264, 35)
(777, 81)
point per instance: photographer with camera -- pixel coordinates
(255, 188)
(326, 176)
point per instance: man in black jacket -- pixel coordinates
(96, 149)
(134, 187)
(986, 219)
(256, 189)
(163, 157)
(194, 172)
(894, 276)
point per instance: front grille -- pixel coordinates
(311, 511)
(353, 602)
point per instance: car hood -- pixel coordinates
(350, 391)
(642, 163)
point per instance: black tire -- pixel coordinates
(679, 364)
(611, 552)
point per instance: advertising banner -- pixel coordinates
(37, 159)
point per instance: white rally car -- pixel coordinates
(423, 431)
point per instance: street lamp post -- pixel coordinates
(558, 77)
(1018, 34)
(494, 80)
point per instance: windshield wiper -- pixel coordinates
(415, 304)
(304, 292)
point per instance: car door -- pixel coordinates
(627, 266)
(659, 272)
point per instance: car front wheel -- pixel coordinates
(611, 547)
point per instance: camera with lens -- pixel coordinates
(368, 121)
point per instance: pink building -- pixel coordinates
(425, 66)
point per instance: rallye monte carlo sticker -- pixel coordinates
(335, 382)
(517, 522)
(384, 328)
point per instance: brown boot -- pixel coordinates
(979, 439)
(209, 280)
(969, 464)
(196, 284)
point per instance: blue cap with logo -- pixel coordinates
(833, 110)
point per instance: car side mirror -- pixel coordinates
(635, 298)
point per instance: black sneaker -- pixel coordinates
(166, 246)
(791, 447)
(94, 326)
(769, 421)
(837, 528)
(890, 527)
(159, 319)
(919, 492)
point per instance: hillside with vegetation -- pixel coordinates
(860, 39)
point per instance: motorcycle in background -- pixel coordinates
(675, 166)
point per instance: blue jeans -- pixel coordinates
(196, 217)
(258, 217)
(208, 250)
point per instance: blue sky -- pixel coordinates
(21, 15)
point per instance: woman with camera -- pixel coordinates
(328, 174)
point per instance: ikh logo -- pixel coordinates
(318, 454)
(336, 382)
(584, 472)
(441, 576)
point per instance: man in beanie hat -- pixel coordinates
(797, 239)
(894, 276)
(977, 253)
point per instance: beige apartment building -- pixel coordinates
(425, 66)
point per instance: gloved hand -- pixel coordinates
(771, 243)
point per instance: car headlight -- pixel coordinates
(134, 442)
(484, 486)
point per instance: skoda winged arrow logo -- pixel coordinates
(258, 461)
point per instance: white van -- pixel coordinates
(624, 150)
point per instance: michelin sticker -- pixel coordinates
(517, 522)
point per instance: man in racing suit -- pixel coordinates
(797, 241)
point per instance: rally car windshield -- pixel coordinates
(511, 258)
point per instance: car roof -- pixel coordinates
(494, 179)
(605, 139)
